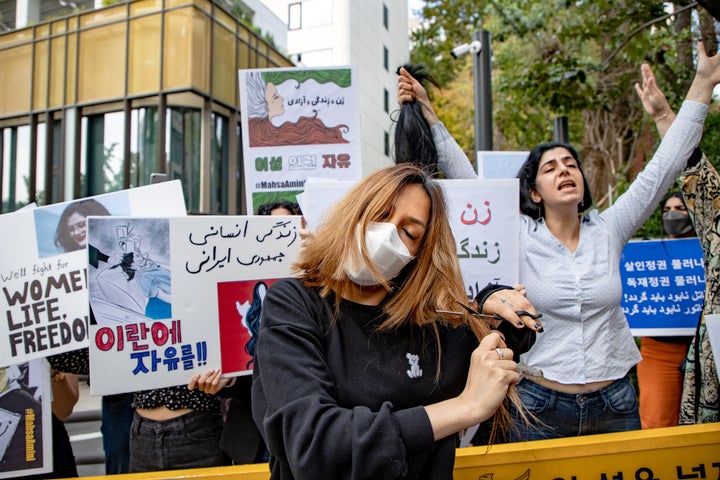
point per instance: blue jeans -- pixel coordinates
(610, 409)
(117, 415)
(189, 441)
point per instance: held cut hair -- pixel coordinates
(413, 138)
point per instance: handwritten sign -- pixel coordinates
(297, 123)
(485, 221)
(663, 286)
(165, 289)
(25, 420)
(43, 275)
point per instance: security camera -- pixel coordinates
(465, 48)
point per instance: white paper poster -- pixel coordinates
(297, 123)
(484, 219)
(177, 296)
(43, 274)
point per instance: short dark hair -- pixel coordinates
(528, 175)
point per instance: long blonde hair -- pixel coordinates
(431, 282)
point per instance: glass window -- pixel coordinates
(219, 165)
(41, 162)
(182, 148)
(386, 59)
(143, 145)
(387, 144)
(295, 16)
(15, 168)
(385, 16)
(101, 168)
(386, 100)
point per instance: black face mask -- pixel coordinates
(676, 223)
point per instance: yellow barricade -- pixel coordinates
(676, 453)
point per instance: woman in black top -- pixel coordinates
(356, 374)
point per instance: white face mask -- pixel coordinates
(387, 252)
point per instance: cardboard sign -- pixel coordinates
(165, 291)
(43, 275)
(663, 286)
(25, 419)
(298, 123)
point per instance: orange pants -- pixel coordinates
(660, 382)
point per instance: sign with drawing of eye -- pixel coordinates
(177, 296)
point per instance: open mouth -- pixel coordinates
(566, 185)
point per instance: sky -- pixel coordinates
(414, 5)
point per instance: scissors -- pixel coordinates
(519, 340)
(494, 316)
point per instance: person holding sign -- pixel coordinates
(357, 374)
(699, 402)
(576, 373)
(659, 376)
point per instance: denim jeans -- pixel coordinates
(117, 415)
(610, 409)
(189, 441)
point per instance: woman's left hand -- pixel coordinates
(507, 303)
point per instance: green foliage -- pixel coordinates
(577, 59)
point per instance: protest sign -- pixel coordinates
(43, 271)
(297, 123)
(485, 221)
(164, 291)
(663, 286)
(25, 419)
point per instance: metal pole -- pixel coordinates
(561, 132)
(483, 92)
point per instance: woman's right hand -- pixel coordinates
(707, 75)
(492, 371)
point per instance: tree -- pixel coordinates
(577, 59)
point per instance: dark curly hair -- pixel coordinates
(528, 175)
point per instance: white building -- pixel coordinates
(370, 35)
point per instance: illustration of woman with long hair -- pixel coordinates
(264, 103)
(251, 321)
